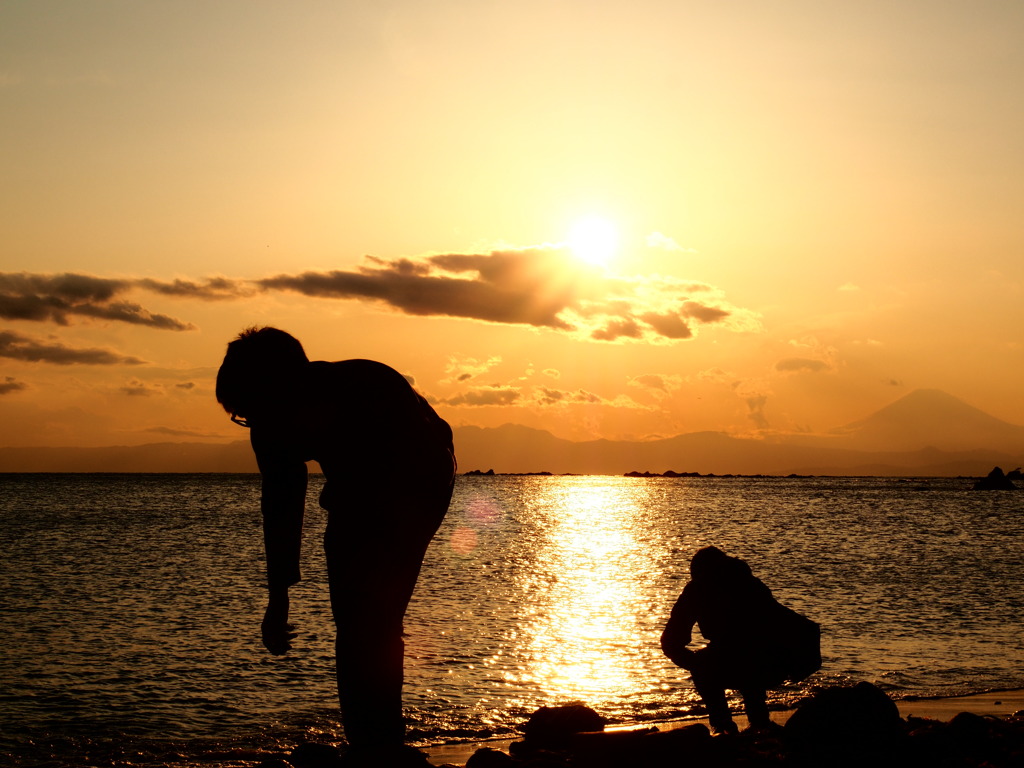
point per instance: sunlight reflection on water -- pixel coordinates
(581, 635)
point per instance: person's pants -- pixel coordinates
(375, 548)
(711, 674)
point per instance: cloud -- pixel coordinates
(9, 384)
(755, 393)
(668, 325)
(214, 289)
(543, 396)
(186, 385)
(139, 388)
(18, 347)
(464, 369)
(717, 376)
(666, 243)
(751, 388)
(755, 410)
(544, 287)
(516, 287)
(548, 396)
(703, 312)
(128, 312)
(481, 396)
(552, 373)
(25, 296)
(655, 381)
(813, 357)
(801, 365)
(626, 328)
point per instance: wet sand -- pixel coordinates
(999, 704)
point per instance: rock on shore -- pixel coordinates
(838, 727)
(842, 727)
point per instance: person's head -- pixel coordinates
(713, 564)
(257, 369)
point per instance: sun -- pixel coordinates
(594, 240)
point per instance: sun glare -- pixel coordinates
(594, 240)
(581, 628)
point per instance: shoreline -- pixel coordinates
(942, 708)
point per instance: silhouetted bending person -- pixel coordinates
(389, 464)
(754, 642)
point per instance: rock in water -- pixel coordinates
(996, 481)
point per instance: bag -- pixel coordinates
(799, 645)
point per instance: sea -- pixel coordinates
(130, 605)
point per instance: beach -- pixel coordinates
(1000, 704)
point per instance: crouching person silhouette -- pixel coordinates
(389, 465)
(754, 642)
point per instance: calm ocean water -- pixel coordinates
(130, 605)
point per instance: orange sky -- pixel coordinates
(810, 209)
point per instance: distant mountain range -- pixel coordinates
(926, 433)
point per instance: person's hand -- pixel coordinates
(277, 638)
(277, 632)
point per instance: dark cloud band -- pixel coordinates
(54, 298)
(10, 384)
(18, 347)
(544, 287)
(540, 287)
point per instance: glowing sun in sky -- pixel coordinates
(594, 240)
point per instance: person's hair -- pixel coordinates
(255, 365)
(713, 563)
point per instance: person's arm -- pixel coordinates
(679, 630)
(283, 503)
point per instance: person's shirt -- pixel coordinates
(733, 609)
(723, 609)
(362, 422)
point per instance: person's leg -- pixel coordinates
(374, 552)
(755, 705)
(369, 668)
(708, 682)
